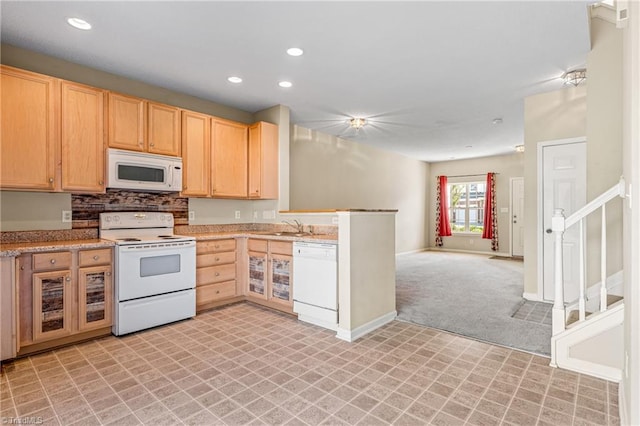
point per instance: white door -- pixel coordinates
(564, 180)
(517, 216)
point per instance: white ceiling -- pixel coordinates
(430, 77)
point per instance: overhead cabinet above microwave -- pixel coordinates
(139, 125)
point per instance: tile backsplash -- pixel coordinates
(87, 207)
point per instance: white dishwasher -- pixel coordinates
(315, 283)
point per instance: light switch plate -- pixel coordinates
(504, 209)
(237, 214)
(66, 216)
(192, 215)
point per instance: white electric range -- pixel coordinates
(155, 270)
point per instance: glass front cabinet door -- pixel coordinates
(52, 297)
(280, 274)
(95, 296)
(257, 275)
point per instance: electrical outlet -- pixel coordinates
(255, 214)
(334, 220)
(66, 216)
(192, 215)
(237, 214)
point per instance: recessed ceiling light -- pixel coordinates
(234, 79)
(78, 23)
(285, 84)
(469, 146)
(295, 51)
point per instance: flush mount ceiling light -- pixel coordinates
(357, 123)
(285, 84)
(234, 79)
(575, 77)
(497, 121)
(295, 51)
(519, 148)
(78, 23)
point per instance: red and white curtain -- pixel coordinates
(443, 228)
(490, 231)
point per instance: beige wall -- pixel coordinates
(508, 166)
(328, 172)
(604, 142)
(366, 271)
(24, 211)
(560, 114)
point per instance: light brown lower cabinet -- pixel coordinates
(63, 297)
(270, 278)
(216, 273)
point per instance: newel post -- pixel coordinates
(558, 316)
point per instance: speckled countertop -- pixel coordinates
(17, 248)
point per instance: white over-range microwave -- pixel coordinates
(140, 171)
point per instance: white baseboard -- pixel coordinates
(533, 297)
(412, 251)
(358, 332)
(488, 253)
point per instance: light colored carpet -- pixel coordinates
(467, 294)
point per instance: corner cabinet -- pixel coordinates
(63, 297)
(139, 125)
(29, 130)
(263, 161)
(229, 159)
(270, 279)
(83, 138)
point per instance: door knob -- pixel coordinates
(548, 231)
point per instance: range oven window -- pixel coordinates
(141, 173)
(159, 265)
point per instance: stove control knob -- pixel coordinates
(116, 218)
(107, 218)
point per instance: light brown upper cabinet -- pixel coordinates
(263, 161)
(196, 154)
(29, 132)
(139, 125)
(83, 136)
(229, 159)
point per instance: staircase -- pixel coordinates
(587, 334)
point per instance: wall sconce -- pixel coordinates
(519, 148)
(575, 77)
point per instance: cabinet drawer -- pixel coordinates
(94, 257)
(281, 247)
(216, 246)
(215, 274)
(212, 259)
(213, 292)
(258, 245)
(57, 260)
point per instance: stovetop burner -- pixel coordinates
(168, 237)
(129, 239)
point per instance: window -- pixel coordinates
(466, 206)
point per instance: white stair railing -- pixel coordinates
(559, 224)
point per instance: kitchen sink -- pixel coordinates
(287, 234)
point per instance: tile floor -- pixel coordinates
(536, 312)
(248, 365)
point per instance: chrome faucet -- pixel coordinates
(296, 224)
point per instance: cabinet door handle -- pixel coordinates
(50, 180)
(217, 291)
(217, 274)
(217, 259)
(96, 257)
(53, 261)
(152, 144)
(108, 274)
(68, 279)
(101, 182)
